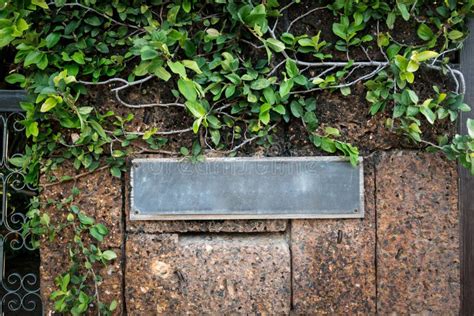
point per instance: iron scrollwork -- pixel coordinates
(19, 282)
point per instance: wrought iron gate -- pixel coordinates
(19, 262)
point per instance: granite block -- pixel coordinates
(334, 261)
(55, 263)
(167, 274)
(418, 234)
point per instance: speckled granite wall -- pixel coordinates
(417, 235)
(174, 274)
(101, 198)
(333, 261)
(402, 258)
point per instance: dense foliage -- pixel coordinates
(236, 69)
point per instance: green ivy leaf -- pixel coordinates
(115, 171)
(15, 78)
(32, 129)
(391, 17)
(52, 39)
(162, 73)
(280, 109)
(423, 56)
(264, 114)
(470, 127)
(17, 161)
(95, 233)
(177, 68)
(109, 255)
(49, 104)
(229, 91)
(93, 20)
(78, 57)
(84, 219)
(6, 36)
(103, 48)
(413, 66)
(339, 30)
(33, 57)
(428, 113)
(191, 64)
(196, 125)
(147, 53)
(291, 68)
(424, 32)
(455, 35)
(331, 131)
(98, 128)
(260, 84)
(85, 110)
(113, 305)
(403, 10)
(328, 145)
(296, 109)
(196, 108)
(187, 89)
(275, 44)
(215, 136)
(413, 96)
(102, 229)
(345, 91)
(285, 87)
(393, 50)
(40, 3)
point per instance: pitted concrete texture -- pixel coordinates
(418, 234)
(167, 274)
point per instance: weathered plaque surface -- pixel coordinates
(246, 188)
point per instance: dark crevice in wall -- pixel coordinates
(374, 169)
(213, 234)
(288, 228)
(124, 237)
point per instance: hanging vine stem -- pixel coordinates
(300, 17)
(172, 132)
(247, 141)
(76, 177)
(77, 4)
(147, 105)
(365, 77)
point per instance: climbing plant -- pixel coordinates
(233, 70)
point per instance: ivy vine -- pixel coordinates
(235, 70)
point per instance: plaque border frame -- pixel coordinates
(136, 216)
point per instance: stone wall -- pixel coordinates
(403, 257)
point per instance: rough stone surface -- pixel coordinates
(101, 198)
(418, 243)
(167, 274)
(227, 226)
(54, 263)
(334, 261)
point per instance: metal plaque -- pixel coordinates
(246, 188)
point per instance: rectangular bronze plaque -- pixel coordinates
(246, 188)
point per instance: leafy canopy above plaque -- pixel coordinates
(222, 74)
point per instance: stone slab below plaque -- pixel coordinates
(246, 188)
